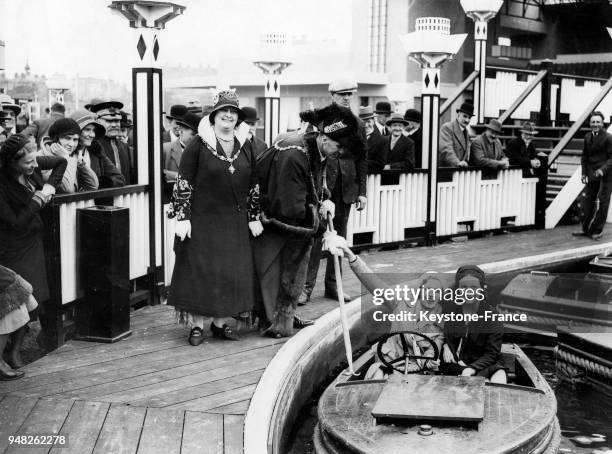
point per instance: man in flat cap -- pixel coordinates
(345, 178)
(109, 115)
(454, 144)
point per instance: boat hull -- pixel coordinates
(517, 419)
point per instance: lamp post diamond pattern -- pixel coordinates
(481, 12)
(430, 46)
(148, 17)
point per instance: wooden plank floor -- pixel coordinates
(152, 392)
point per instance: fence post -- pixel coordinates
(546, 94)
(540, 203)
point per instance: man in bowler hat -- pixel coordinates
(383, 113)
(596, 163)
(377, 144)
(251, 118)
(486, 151)
(109, 115)
(177, 112)
(414, 131)
(454, 143)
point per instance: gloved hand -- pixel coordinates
(47, 189)
(256, 228)
(327, 206)
(183, 229)
(334, 243)
(58, 150)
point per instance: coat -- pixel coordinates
(485, 153)
(377, 151)
(519, 154)
(172, 158)
(21, 227)
(353, 170)
(213, 272)
(259, 146)
(417, 138)
(453, 145)
(105, 170)
(482, 340)
(401, 156)
(597, 154)
(124, 156)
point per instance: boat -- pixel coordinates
(576, 302)
(602, 263)
(430, 413)
(585, 358)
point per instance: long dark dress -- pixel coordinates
(21, 228)
(213, 272)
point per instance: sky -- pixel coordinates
(84, 37)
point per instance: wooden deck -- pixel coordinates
(154, 393)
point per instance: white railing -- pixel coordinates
(138, 204)
(575, 99)
(504, 89)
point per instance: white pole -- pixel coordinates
(345, 331)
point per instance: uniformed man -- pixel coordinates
(109, 115)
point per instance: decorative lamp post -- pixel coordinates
(430, 45)
(56, 95)
(272, 65)
(481, 12)
(148, 17)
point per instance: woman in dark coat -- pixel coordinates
(473, 348)
(22, 195)
(216, 203)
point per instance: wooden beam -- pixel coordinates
(458, 92)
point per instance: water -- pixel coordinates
(581, 410)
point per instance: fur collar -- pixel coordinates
(207, 133)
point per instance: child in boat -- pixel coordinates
(474, 347)
(394, 346)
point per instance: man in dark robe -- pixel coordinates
(291, 176)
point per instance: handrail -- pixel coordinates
(569, 135)
(512, 70)
(98, 194)
(460, 89)
(574, 76)
(518, 101)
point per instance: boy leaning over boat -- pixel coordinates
(470, 342)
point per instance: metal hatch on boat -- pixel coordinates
(423, 398)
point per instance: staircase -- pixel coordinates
(565, 165)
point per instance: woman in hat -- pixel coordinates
(216, 203)
(90, 153)
(63, 141)
(400, 154)
(22, 194)
(474, 347)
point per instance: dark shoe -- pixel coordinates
(333, 295)
(580, 233)
(303, 299)
(597, 236)
(15, 364)
(11, 375)
(225, 332)
(299, 323)
(196, 337)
